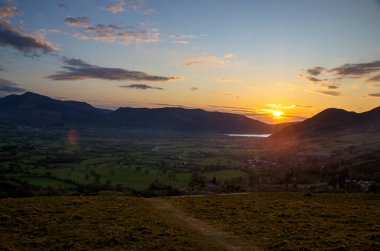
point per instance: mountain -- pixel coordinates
(181, 119)
(332, 122)
(37, 110)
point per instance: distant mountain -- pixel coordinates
(37, 110)
(332, 122)
(196, 120)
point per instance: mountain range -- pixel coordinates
(32, 109)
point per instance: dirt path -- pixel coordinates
(225, 240)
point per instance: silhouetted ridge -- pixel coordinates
(37, 110)
(332, 121)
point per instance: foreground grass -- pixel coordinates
(292, 221)
(268, 221)
(91, 223)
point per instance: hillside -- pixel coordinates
(332, 122)
(32, 109)
(255, 221)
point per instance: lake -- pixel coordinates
(249, 135)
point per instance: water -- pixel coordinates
(249, 135)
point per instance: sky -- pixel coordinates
(274, 61)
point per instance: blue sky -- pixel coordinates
(248, 57)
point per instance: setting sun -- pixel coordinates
(277, 114)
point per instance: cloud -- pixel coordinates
(135, 5)
(181, 38)
(280, 106)
(77, 69)
(377, 95)
(114, 33)
(315, 71)
(330, 93)
(22, 41)
(193, 89)
(6, 11)
(10, 87)
(332, 87)
(117, 7)
(210, 60)
(374, 78)
(141, 87)
(313, 79)
(78, 22)
(355, 70)
(304, 106)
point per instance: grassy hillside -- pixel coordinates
(268, 221)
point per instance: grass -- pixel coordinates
(291, 221)
(91, 223)
(271, 221)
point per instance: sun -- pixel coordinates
(277, 114)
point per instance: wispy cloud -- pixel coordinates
(22, 41)
(114, 33)
(375, 78)
(210, 60)
(78, 21)
(141, 87)
(356, 70)
(369, 71)
(330, 93)
(135, 5)
(77, 69)
(182, 38)
(7, 86)
(116, 7)
(7, 11)
(281, 106)
(194, 89)
(315, 71)
(376, 95)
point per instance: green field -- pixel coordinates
(129, 161)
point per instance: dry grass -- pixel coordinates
(91, 223)
(292, 221)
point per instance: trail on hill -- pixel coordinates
(223, 239)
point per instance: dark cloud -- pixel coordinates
(194, 89)
(77, 69)
(313, 79)
(315, 71)
(10, 87)
(141, 87)
(332, 87)
(6, 11)
(356, 70)
(78, 22)
(330, 93)
(26, 43)
(377, 95)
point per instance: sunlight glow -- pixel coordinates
(277, 114)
